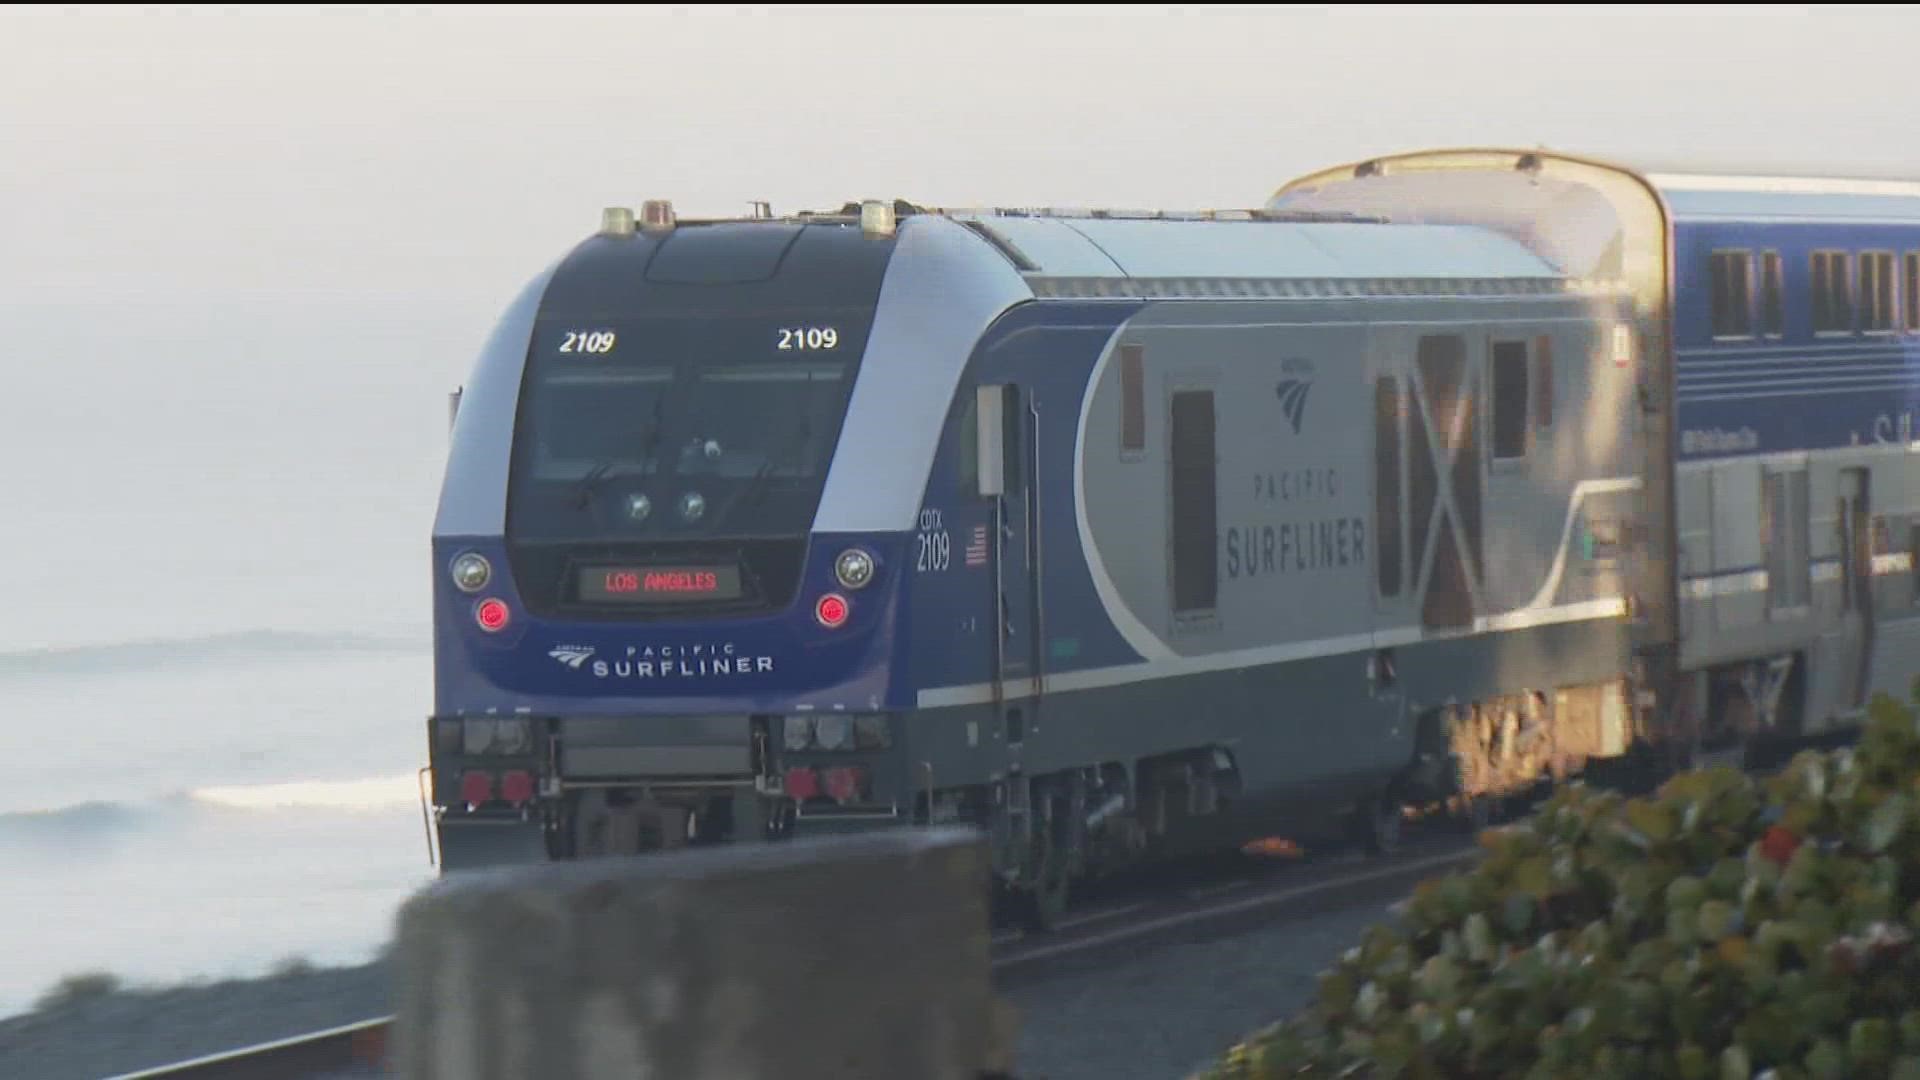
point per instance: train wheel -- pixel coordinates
(1377, 821)
(1481, 812)
(1047, 901)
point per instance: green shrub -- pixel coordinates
(1722, 929)
(76, 988)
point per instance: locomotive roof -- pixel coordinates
(1218, 253)
(1506, 185)
(1047, 246)
(1728, 197)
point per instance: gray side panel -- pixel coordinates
(1730, 615)
(1296, 507)
(1300, 729)
(1896, 658)
(473, 494)
(1275, 484)
(943, 288)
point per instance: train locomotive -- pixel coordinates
(1121, 534)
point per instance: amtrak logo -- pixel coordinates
(572, 655)
(1295, 391)
(1293, 400)
(701, 661)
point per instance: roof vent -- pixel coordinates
(656, 214)
(616, 221)
(876, 218)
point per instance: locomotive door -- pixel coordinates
(1855, 645)
(1389, 354)
(1009, 426)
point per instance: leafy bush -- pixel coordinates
(1722, 929)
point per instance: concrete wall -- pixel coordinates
(849, 957)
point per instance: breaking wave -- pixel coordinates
(239, 645)
(77, 822)
(102, 819)
(374, 793)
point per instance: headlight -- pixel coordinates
(494, 736)
(870, 732)
(799, 732)
(854, 568)
(834, 732)
(479, 737)
(471, 572)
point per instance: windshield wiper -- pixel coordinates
(750, 492)
(588, 486)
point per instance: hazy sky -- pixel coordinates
(440, 157)
(244, 256)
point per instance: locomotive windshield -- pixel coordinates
(679, 429)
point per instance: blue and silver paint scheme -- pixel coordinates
(1791, 421)
(633, 695)
(1846, 387)
(941, 289)
(1305, 669)
(1782, 488)
(1197, 518)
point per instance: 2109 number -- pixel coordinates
(811, 337)
(579, 341)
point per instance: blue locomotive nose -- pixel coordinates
(651, 637)
(630, 556)
(674, 717)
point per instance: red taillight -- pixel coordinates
(803, 784)
(843, 783)
(831, 610)
(476, 788)
(516, 787)
(491, 614)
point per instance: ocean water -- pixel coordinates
(214, 645)
(206, 807)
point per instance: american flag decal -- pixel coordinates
(977, 547)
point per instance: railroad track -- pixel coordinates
(352, 1050)
(1200, 906)
(1206, 904)
(1248, 894)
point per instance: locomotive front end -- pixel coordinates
(646, 633)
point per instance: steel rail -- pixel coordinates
(364, 1048)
